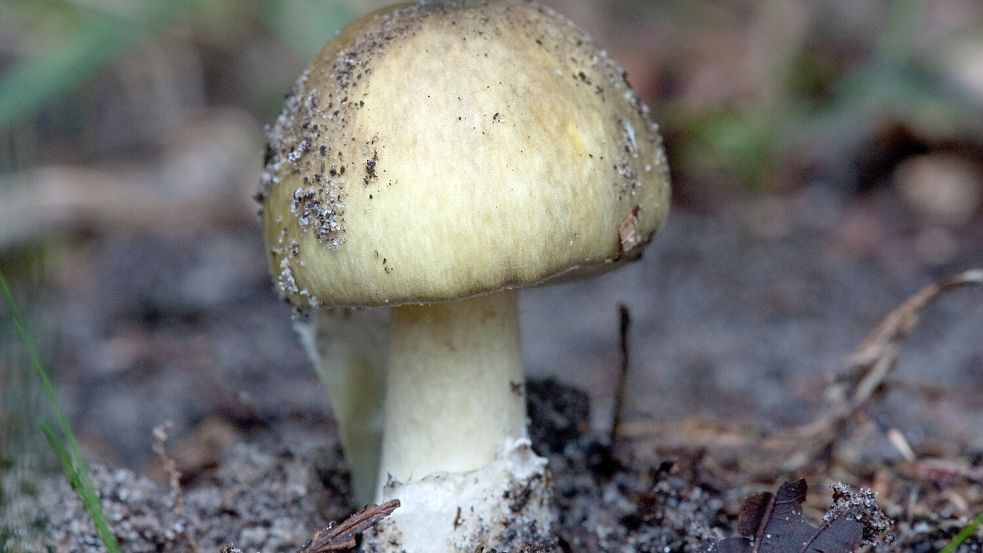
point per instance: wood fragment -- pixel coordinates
(628, 237)
(624, 317)
(80, 199)
(161, 433)
(341, 537)
(868, 369)
(944, 472)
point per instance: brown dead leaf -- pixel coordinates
(773, 523)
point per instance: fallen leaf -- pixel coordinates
(773, 523)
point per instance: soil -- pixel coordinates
(271, 492)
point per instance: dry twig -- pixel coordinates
(868, 368)
(341, 537)
(161, 432)
(199, 181)
(624, 318)
(864, 381)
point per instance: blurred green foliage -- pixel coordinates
(817, 104)
(77, 42)
(70, 43)
(810, 97)
(305, 25)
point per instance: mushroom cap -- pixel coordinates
(451, 149)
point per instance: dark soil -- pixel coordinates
(270, 493)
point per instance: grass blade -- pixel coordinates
(29, 85)
(65, 445)
(963, 535)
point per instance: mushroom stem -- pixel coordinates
(455, 388)
(348, 348)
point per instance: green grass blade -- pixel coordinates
(35, 358)
(59, 448)
(78, 479)
(963, 535)
(66, 446)
(30, 84)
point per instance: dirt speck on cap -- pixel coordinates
(317, 114)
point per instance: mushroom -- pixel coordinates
(349, 349)
(435, 158)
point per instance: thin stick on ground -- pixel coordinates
(161, 432)
(341, 537)
(865, 379)
(869, 366)
(619, 394)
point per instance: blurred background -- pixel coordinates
(827, 160)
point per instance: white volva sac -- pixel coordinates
(460, 511)
(433, 159)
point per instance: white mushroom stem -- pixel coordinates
(455, 389)
(349, 351)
